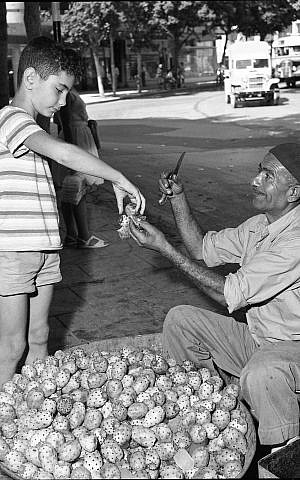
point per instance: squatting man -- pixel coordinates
(263, 352)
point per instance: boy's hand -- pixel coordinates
(170, 186)
(124, 189)
(146, 235)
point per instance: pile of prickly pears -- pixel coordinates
(125, 414)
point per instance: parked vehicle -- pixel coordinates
(249, 75)
(286, 59)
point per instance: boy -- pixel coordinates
(29, 233)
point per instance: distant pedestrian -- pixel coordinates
(180, 75)
(170, 80)
(160, 76)
(117, 74)
(143, 75)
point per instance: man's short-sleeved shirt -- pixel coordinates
(28, 209)
(268, 280)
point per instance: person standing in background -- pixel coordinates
(180, 75)
(73, 119)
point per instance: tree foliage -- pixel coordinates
(265, 17)
(90, 25)
(251, 17)
(95, 24)
(178, 20)
(138, 29)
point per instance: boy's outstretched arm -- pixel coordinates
(77, 159)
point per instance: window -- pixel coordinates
(260, 63)
(240, 64)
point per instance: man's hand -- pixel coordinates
(170, 185)
(146, 235)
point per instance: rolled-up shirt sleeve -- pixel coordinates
(222, 247)
(233, 292)
(265, 276)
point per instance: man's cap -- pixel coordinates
(288, 155)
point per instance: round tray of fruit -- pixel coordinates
(129, 413)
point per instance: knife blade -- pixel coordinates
(163, 198)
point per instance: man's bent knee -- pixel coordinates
(257, 377)
(173, 316)
(178, 316)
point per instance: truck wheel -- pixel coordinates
(233, 101)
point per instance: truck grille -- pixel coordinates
(256, 83)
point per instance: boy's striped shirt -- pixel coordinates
(28, 209)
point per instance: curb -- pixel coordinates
(162, 93)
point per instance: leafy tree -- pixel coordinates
(138, 29)
(177, 20)
(296, 5)
(91, 25)
(251, 17)
(265, 17)
(4, 89)
(225, 15)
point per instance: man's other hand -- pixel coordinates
(170, 185)
(146, 235)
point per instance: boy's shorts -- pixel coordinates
(23, 272)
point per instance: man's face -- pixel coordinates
(270, 187)
(48, 96)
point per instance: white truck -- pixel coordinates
(249, 74)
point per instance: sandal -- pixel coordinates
(92, 242)
(70, 241)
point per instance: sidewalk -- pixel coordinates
(95, 97)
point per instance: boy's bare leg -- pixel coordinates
(13, 324)
(38, 323)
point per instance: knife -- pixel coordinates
(163, 198)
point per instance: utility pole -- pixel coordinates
(112, 62)
(55, 7)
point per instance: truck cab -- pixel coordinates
(249, 75)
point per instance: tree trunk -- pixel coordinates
(99, 72)
(225, 46)
(32, 19)
(112, 63)
(4, 89)
(139, 72)
(176, 49)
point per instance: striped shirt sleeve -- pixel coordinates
(16, 126)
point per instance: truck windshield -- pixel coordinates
(256, 63)
(240, 64)
(260, 63)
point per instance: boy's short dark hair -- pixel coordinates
(48, 58)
